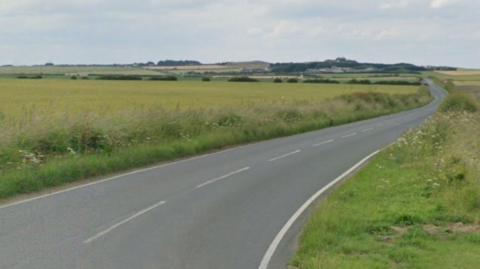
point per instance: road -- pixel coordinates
(221, 210)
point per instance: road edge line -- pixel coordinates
(279, 237)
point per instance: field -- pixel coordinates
(57, 131)
(417, 205)
(109, 97)
(467, 81)
(69, 70)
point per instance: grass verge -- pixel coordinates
(417, 205)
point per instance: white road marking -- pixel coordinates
(368, 129)
(349, 135)
(222, 177)
(115, 226)
(110, 179)
(285, 155)
(278, 238)
(323, 143)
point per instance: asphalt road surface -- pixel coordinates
(221, 210)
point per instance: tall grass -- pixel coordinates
(41, 150)
(416, 206)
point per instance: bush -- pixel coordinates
(119, 77)
(292, 80)
(359, 81)
(398, 82)
(30, 77)
(166, 78)
(459, 102)
(206, 79)
(243, 79)
(328, 81)
(277, 80)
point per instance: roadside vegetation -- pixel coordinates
(417, 205)
(66, 130)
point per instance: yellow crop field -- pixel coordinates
(108, 97)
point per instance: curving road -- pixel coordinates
(221, 210)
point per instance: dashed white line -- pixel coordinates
(368, 129)
(223, 177)
(285, 155)
(279, 237)
(349, 135)
(324, 143)
(118, 224)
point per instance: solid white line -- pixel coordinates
(109, 179)
(323, 143)
(349, 135)
(115, 226)
(285, 155)
(222, 177)
(278, 238)
(367, 130)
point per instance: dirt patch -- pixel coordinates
(431, 229)
(459, 227)
(400, 231)
(455, 228)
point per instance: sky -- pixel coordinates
(424, 32)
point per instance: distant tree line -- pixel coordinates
(385, 82)
(30, 77)
(169, 63)
(136, 77)
(178, 63)
(327, 81)
(243, 79)
(347, 64)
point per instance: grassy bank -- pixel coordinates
(106, 127)
(417, 205)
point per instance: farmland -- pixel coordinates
(56, 130)
(467, 81)
(112, 96)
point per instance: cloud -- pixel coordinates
(394, 4)
(441, 3)
(105, 31)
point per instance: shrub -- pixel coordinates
(277, 80)
(398, 82)
(243, 79)
(206, 79)
(165, 78)
(359, 81)
(119, 77)
(328, 81)
(292, 80)
(30, 77)
(459, 102)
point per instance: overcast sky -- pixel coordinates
(437, 32)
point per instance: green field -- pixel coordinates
(57, 131)
(67, 70)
